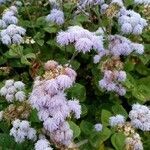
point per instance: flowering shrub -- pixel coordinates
(74, 74)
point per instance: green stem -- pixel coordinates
(72, 58)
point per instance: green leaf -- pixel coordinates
(4, 127)
(75, 128)
(86, 127)
(118, 141)
(16, 51)
(118, 109)
(34, 117)
(82, 18)
(6, 141)
(51, 29)
(68, 6)
(97, 138)
(142, 93)
(25, 59)
(40, 42)
(78, 91)
(105, 115)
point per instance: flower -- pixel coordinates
(116, 120)
(56, 16)
(42, 144)
(126, 28)
(21, 130)
(98, 127)
(131, 22)
(140, 117)
(83, 45)
(64, 81)
(20, 96)
(75, 107)
(53, 108)
(142, 2)
(19, 85)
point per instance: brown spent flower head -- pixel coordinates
(126, 128)
(53, 70)
(112, 64)
(12, 112)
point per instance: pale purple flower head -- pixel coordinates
(83, 45)
(20, 96)
(42, 144)
(50, 124)
(63, 38)
(121, 76)
(56, 16)
(51, 86)
(116, 120)
(118, 2)
(137, 29)
(2, 24)
(6, 40)
(75, 107)
(139, 48)
(98, 127)
(17, 39)
(126, 28)
(145, 2)
(140, 117)
(64, 81)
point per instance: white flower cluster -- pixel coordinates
(49, 99)
(21, 131)
(84, 40)
(112, 80)
(42, 144)
(116, 120)
(145, 2)
(11, 33)
(131, 22)
(134, 142)
(56, 16)
(140, 117)
(13, 91)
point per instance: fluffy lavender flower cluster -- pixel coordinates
(120, 45)
(83, 39)
(11, 33)
(145, 2)
(111, 81)
(56, 16)
(140, 117)
(13, 91)
(42, 144)
(116, 120)
(21, 131)
(49, 99)
(98, 127)
(134, 142)
(131, 22)
(9, 17)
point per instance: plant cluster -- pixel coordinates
(74, 75)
